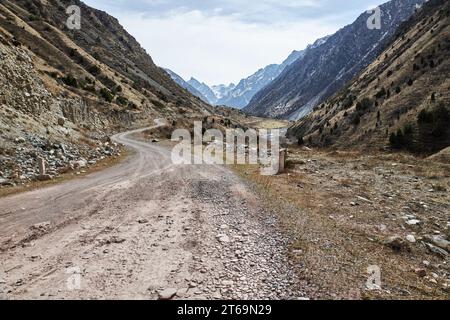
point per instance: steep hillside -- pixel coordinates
(63, 92)
(401, 101)
(326, 69)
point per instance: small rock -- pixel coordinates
(223, 238)
(411, 238)
(443, 253)
(117, 240)
(167, 294)
(61, 121)
(421, 272)
(441, 242)
(364, 199)
(396, 243)
(413, 222)
(142, 221)
(227, 283)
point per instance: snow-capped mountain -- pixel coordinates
(204, 89)
(239, 96)
(180, 81)
(222, 90)
(325, 69)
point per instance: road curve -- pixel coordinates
(143, 226)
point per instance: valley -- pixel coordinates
(93, 206)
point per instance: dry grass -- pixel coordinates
(334, 242)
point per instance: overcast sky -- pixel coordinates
(223, 41)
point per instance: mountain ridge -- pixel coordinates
(400, 101)
(326, 69)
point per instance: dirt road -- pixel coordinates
(141, 230)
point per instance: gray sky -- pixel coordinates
(223, 41)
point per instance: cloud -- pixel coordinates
(222, 41)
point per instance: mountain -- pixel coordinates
(180, 81)
(63, 92)
(401, 101)
(222, 90)
(239, 96)
(326, 69)
(204, 89)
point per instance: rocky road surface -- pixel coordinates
(145, 229)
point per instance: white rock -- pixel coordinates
(223, 238)
(411, 238)
(167, 294)
(413, 222)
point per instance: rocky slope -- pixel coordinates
(64, 91)
(326, 69)
(401, 101)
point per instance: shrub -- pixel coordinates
(356, 120)
(364, 104)
(438, 120)
(122, 100)
(158, 103)
(70, 81)
(94, 70)
(425, 117)
(106, 94)
(403, 138)
(348, 101)
(380, 94)
(90, 88)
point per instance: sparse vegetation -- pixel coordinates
(71, 81)
(106, 95)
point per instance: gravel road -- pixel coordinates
(145, 229)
